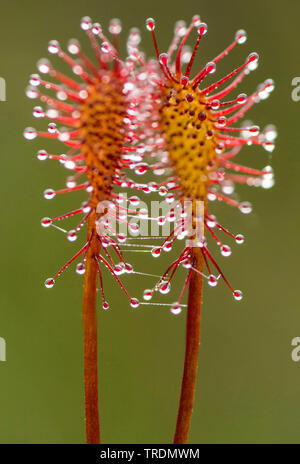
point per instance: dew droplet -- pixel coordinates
(184, 81)
(150, 24)
(46, 222)
(252, 61)
(53, 47)
(96, 28)
(221, 121)
(133, 228)
(34, 80)
(162, 191)
(86, 208)
(215, 104)
(72, 236)
(163, 59)
(242, 98)
(134, 201)
(134, 303)
(128, 268)
(85, 23)
(121, 238)
(225, 251)
(155, 252)
(202, 28)
(115, 26)
(241, 36)
(254, 130)
(176, 309)
(52, 128)
(165, 288)
(49, 283)
(105, 306)
(49, 194)
(220, 148)
(147, 295)
(38, 112)
(105, 47)
(161, 220)
(31, 93)
(227, 187)
(73, 47)
(238, 295)
(42, 155)
(270, 133)
(211, 221)
(212, 280)
(269, 146)
(167, 247)
(210, 67)
(245, 207)
(80, 268)
(43, 66)
(118, 270)
(239, 239)
(30, 133)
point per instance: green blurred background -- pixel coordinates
(248, 386)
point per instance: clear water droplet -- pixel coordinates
(202, 28)
(49, 194)
(49, 283)
(239, 239)
(175, 309)
(53, 47)
(165, 288)
(269, 146)
(212, 280)
(72, 236)
(80, 268)
(242, 98)
(34, 80)
(43, 66)
(115, 26)
(46, 222)
(30, 133)
(121, 238)
(128, 268)
(42, 155)
(241, 36)
(134, 303)
(147, 295)
(155, 252)
(225, 251)
(85, 23)
(73, 47)
(31, 93)
(245, 207)
(105, 306)
(38, 112)
(96, 28)
(150, 24)
(118, 270)
(167, 247)
(238, 295)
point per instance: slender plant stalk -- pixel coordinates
(90, 339)
(188, 385)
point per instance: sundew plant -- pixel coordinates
(117, 120)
